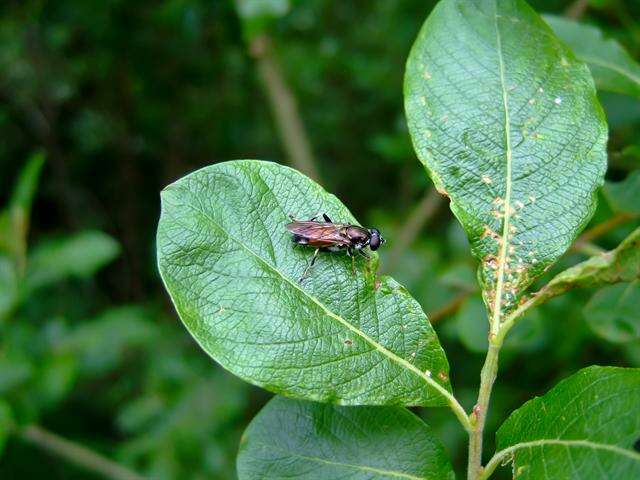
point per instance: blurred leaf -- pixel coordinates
(612, 67)
(79, 255)
(25, 189)
(619, 265)
(472, 326)
(258, 8)
(473, 329)
(624, 196)
(509, 134)
(258, 15)
(6, 423)
(55, 379)
(460, 275)
(585, 427)
(613, 312)
(233, 275)
(294, 439)
(139, 414)
(14, 371)
(14, 220)
(188, 426)
(101, 343)
(9, 289)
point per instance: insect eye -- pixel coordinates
(374, 243)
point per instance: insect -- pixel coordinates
(327, 236)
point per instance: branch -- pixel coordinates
(448, 308)
(600, 229)
(284, 108)
(76, 454)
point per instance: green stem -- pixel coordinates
(496, 460)
(479, 415)
(487, 378)
(76, 454)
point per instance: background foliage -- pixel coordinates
(122, 98)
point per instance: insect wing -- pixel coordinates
(319, 234)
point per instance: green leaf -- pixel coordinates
(619, 265)
(585, 427)
(612, 312)
(232, 272)
(613, 69)
(624, 196)
(507, 123)
(79, 255)
(305, 440)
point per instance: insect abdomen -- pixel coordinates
(300, 240)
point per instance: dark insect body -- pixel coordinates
(328, 236)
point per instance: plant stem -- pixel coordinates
(284, 108)
(479, 415)
(76, 454)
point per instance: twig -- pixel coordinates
(448, 308)
(76, 454)
(284, 108)
(601, 229)
(589, 249)
(577, 9)
(419, 217)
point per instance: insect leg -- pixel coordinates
(313, 260)
(326, 218)
(363, 253)
(353, 259)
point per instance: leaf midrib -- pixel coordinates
(389, 354)
(365, 468)
(569, 443)
(504, 245)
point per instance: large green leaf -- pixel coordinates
(306, 440)
(506, 121)
(585, 427)
(612, 67)
(619, 265)
(232, 273)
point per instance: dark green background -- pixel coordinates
(125, 97)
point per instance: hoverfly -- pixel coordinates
(333, 237)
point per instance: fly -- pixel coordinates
(327, 236)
